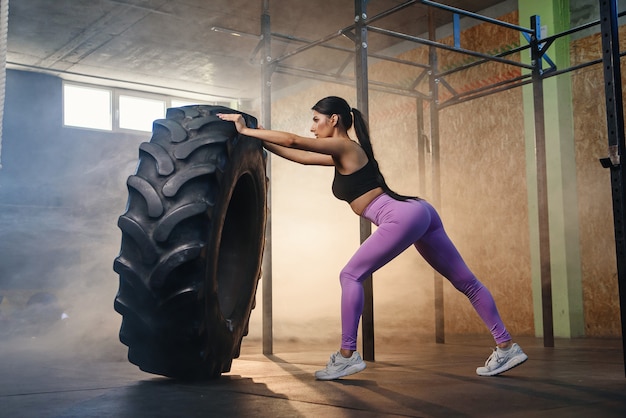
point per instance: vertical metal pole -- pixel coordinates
(362, 99)
(456, 22)
(266, 117)
(421, 145)
(436, 170)
(615, 125)
(542, 185)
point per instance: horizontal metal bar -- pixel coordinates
(576, 29)
(578, 67)
(482, 61)
(447, 47)
(572, 68)
(468, 96)
(374, 85)
(494, 85)
(391, 11)
(399, 61)
(312, 44)
(290, 38)
(351, 51)
(453, 101)
(476, 16)
(573, 30)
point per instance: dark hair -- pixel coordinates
(333, 105)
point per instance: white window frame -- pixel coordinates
(138, 95)
(115, 95)
(89, 87)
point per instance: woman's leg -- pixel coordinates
(439, 251)
(400, 224)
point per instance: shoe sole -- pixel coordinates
(504, 368)
(355, 368)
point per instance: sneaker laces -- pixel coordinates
(332, 360)
(495, 357)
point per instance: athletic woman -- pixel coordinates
(402, 221)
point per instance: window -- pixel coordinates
(87, 107)
(138, 113)
(113, 109)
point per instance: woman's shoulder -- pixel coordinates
(352, 160)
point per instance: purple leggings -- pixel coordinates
(400, 224)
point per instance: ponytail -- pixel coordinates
(362, 133)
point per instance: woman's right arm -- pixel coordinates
(298, 155)
(300, 149)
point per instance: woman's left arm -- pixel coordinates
(299, 156)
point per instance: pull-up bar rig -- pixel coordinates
(358, 33)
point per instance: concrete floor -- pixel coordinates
(578, 378)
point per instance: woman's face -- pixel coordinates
(323, 126)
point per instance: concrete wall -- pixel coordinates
(61, 191)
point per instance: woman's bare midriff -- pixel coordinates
(359, 204)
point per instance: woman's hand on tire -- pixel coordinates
(236, 118)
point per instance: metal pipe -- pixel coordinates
(542, 187)
(617, 146)
(266, 117)
(345, 80)
(440, 337)
(483, 61)
(453, 102)
(351, 51)
(447, 47)
(578, 29)
(421, 145)
(476, 16)
(494, 87)
(362, 100)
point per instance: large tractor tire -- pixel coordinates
(192, 244)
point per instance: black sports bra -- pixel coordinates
(350, 186)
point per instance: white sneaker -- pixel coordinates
(502, 360)
(339, 366)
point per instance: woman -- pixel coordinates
(402, 221)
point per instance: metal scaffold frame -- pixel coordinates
(358, 32)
